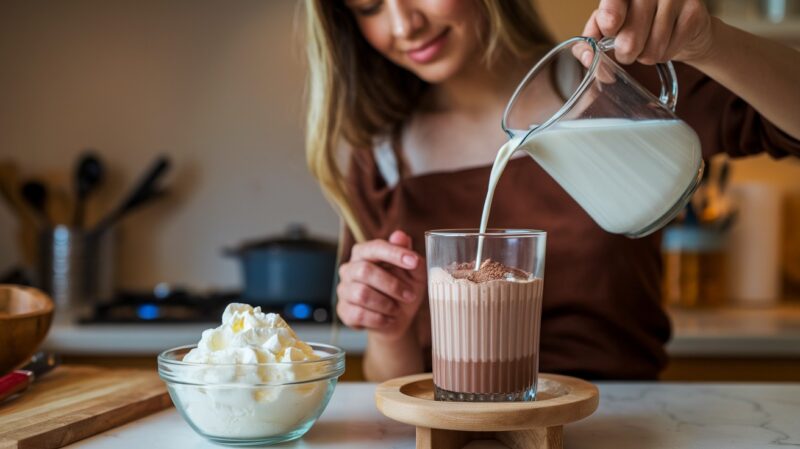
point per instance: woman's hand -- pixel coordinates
(762, 72)
(652, 31)
(382, 286)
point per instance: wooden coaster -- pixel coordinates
(450, 425)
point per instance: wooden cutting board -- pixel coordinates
(75, 402)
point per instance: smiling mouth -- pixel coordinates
(428, 50)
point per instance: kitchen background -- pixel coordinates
(217, 86)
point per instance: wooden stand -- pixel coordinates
(451, 425)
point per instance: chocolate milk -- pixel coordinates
(485, 331)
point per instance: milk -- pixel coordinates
(625, 174)
(501, 160)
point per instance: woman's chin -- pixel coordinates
(435, 73)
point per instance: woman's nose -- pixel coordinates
(406, 18)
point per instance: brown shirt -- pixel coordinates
(601, 316)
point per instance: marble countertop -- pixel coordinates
(767, 332)
(630, 416)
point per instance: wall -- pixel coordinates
(566, 18)
(216, 85)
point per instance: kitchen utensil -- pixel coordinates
(9, 187)
(619, 151)
(27, 226)
(75, 402)
(60, 195)
(25, 317)
(146, 190)
(247, 408)
(35, 193)
(530, 425)
(292, 268)
(19, 380)
(76, 267)
(89, 174)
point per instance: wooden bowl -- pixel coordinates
(25, 317)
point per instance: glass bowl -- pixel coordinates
(256, 404)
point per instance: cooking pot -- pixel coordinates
(286, 269)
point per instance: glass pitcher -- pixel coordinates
(619, 151)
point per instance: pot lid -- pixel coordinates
(296, 237)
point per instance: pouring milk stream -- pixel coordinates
(617, 150)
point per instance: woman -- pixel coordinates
(414, 90)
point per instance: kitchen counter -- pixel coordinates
(739, 332)
(631, 415)
(151, 339)
(768, 332)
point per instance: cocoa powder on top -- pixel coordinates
(489, 270)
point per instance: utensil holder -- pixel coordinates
(76, 268)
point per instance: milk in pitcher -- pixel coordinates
(626, 174)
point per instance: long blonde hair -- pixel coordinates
(356, 94)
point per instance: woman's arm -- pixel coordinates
(763, 73)
(386, 358)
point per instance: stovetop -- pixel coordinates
(167, 305)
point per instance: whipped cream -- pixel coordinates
(247, 336)
(230, 399)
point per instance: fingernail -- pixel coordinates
(409, 261)
(408, 295)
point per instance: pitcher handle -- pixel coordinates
(666, 74)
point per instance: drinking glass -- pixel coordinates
(486, 333)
